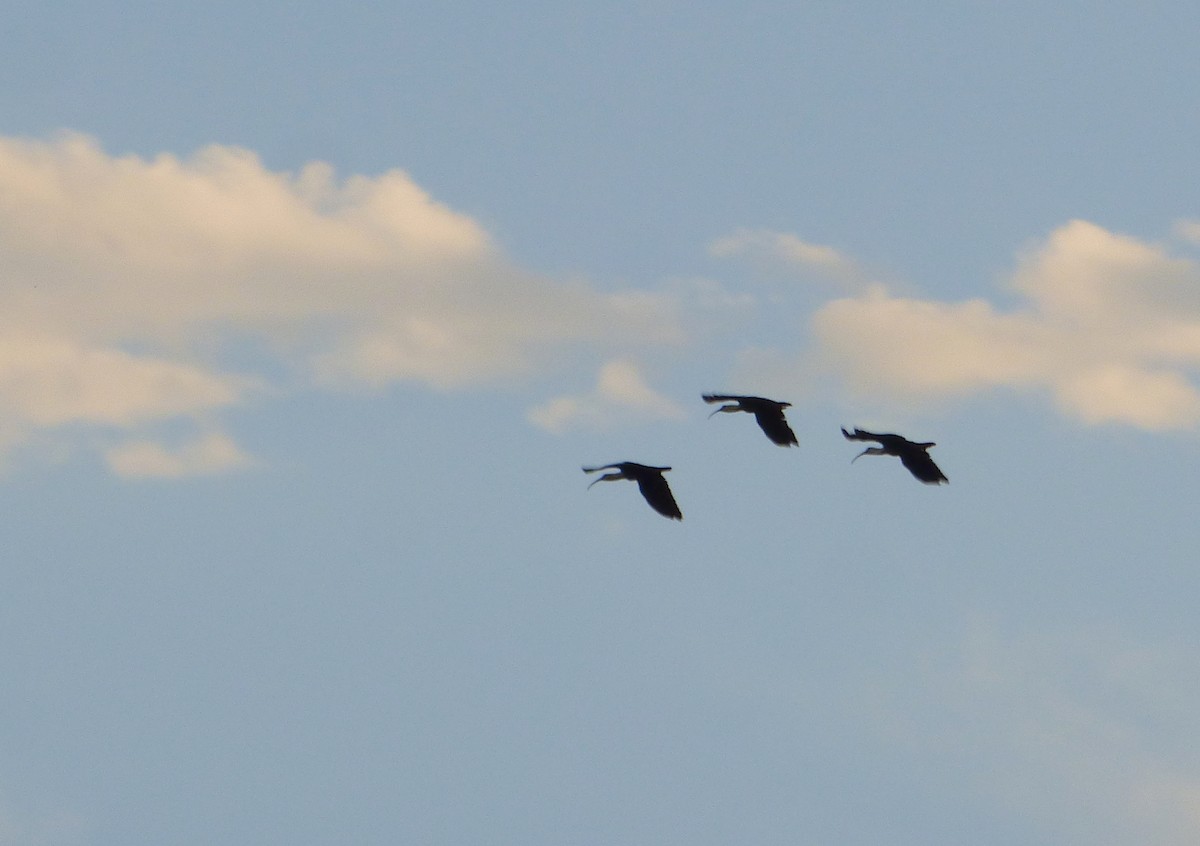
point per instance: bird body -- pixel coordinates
(768, 413)
(913, 455)
(650, 482)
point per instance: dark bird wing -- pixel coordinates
(748, 403)
(656, 491)
(921, 465)
(633, 468)
(775, 426)
(892, 444)
(863, 435)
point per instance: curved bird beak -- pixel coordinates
(594, 481)
(860, 455)
(718, 411)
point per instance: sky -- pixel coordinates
(311, 314)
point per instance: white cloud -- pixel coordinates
(1110, 327)
(211, 455)
(49, 381)
(620, 394)
(787, 248)
(1140, 397)
(122, 278)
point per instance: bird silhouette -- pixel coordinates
(650, 482)
(768, 413)
(912, 455)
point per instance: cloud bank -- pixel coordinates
(128, 284)
(1106, 325)
(124, 281)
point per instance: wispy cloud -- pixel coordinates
(212, 454)
(620, 394)
(788, 249)
(1188, 230)
(1108, 325)
(1076, 729)
(122, 278)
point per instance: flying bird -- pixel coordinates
(912, 455)
(768, 413)
(650, 482)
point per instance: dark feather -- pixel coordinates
(775, 426)
(656, 491)
(921, 465)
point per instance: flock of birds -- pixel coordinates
(770, 417)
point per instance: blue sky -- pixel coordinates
(312, 315)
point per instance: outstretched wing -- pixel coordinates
(893, 444)
(635, 469)
(749, 403)
(863, 435)
(775, 426)
(602, 467)
(921, 465)
(656, 491)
